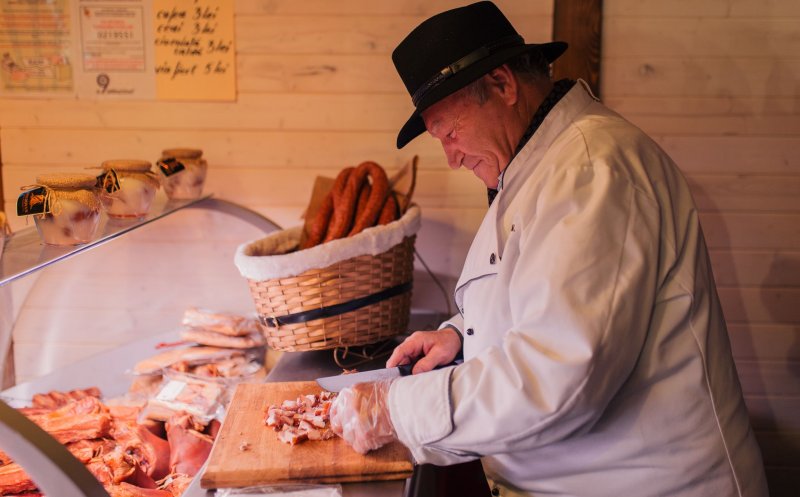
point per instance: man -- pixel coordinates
(596, 358)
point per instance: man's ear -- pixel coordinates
(503, 81)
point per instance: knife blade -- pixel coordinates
(342, 381)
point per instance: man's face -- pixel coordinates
(473, 134)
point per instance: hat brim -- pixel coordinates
(415, 126)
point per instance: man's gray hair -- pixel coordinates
(530, 66)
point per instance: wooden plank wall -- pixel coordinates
(715, 82)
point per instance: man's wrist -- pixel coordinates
(458, 332)
(460, 354)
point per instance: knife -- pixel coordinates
(341, 381)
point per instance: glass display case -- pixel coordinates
(48, 462)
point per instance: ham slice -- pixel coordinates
(189, 448)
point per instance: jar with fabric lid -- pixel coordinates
(68, 208)
(127, 187)
(183, 172)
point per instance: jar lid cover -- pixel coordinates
(66, 180)
(135, 165)
(182, 153)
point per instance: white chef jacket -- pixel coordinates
(597, 362)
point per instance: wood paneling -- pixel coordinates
(352, 34)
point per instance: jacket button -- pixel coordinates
(492, 258)
(470, 331)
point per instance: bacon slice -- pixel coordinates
(14, 480)
(56, 399)
(83, 419)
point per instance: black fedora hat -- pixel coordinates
(452, 49)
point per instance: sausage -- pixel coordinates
(320, 226)
(363, 196)
(377, 196)
(390, 210)
(353, 204)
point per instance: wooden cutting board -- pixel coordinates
(247, 452)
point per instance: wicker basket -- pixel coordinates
(360, 299)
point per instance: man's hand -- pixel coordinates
(433, 348)
(360, 416)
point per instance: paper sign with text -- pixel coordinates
(194, 49)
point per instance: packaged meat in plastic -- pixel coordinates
(186, 356)
(226, 323)
(202, 399)
(214, 339)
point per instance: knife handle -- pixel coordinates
(405, 369)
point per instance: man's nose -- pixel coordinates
(453, 157)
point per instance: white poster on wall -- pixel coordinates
(114, 40)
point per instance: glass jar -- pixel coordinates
(183, 172)
(73, 209)
(128, 188)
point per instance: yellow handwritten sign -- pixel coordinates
(194, 52)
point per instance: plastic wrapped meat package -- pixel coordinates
(202, 399)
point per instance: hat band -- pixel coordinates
(462, 63)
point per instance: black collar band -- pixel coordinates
(462, 63)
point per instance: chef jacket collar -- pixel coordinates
(552, 126)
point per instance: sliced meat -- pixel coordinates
(128, 490)
(56, 399)
(14, 480)
(189, 448)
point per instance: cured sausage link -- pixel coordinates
(320, 226)
(389, 212)
(358, 200)
(377, 196)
